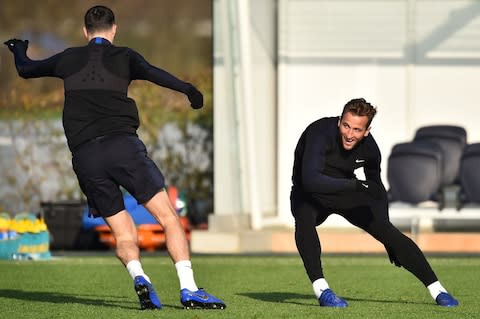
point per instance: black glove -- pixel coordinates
(13, 44)
(195, 97)
(369, 187)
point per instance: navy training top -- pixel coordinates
(323, 167)
(96, 79)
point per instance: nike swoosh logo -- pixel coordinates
(203, 297)
(359, 161)
(365, 185)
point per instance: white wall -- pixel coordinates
(263, 27)
(245, 107)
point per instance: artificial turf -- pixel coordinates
(252, 287)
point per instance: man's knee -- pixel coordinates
(160, 203)
(127, 239)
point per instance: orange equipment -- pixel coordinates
(150, 236)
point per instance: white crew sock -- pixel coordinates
(435, 289)
(185, 275)
(319, 286)
(135, 269)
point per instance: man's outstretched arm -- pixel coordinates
(26, 67)
(142, 70)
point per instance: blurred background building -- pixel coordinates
(35, 163)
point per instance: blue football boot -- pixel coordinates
(444, 299)
(329, 299)
(200, 299)
(146, 294)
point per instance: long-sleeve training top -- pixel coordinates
(322, 166)
(96, 79)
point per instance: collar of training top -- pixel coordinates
(99, 40)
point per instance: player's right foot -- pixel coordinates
(444, 299)
(200, 299)
(146, 294)
(329, 299)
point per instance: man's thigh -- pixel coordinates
(368, 217)
(304, 207)
(132, 168)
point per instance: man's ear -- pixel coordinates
(113, 31)
(367, 131)
(85, 33)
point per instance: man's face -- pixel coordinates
(352, 129)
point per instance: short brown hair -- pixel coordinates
(360, 107)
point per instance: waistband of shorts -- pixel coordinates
(99, 138)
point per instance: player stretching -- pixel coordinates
(328, 152)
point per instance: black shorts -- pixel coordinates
(105, 163)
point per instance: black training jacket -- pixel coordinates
(96, 79)
(325, 169)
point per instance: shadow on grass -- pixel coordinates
(284, 297)
(62, 298)
(289, 297)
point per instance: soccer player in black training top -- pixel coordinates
(100, 123)
(328, 152)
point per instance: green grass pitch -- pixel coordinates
(252, 287)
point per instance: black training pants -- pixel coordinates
(372, 218)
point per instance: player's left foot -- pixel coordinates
(329, 299)
(200, 299)
(444, 299)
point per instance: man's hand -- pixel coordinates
(195, 97)
(13, 44)
(371, 188)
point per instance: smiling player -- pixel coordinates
(326, 156)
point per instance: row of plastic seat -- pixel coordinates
(438, 158)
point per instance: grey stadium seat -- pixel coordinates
(452, 139)
(470, 174)
(414, 172)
